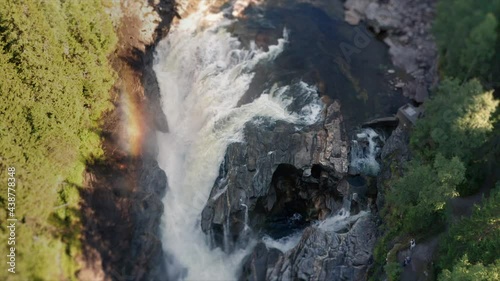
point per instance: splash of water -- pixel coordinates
(203, 72)
(364, 152)
(246, 216)
(340, 221)
(283, 244)
(133, 129)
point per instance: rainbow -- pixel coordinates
(132, 118)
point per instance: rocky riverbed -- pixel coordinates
(405, 26)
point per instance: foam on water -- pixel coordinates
(364, 156)
(284, 244)
(203, 72)
(342, 220)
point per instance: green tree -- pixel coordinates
(418, 199)
(477, 236)
(465, 271)
(54, 86)
(458, 121)
(467, 36)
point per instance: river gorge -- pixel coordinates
(250, 140)
(263, 101)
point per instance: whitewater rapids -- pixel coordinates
(202, 73)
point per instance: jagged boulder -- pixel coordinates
(260, 262)
(394, 155)
(322, 254)
(278, 172)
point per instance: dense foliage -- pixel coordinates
(417, 200)
(468, 37)
(54, 85)
(476, 237)
(393, 270)
(465, 271)
(455, 149)
(458, 122)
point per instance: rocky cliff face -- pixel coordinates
(122, 200)
(280, 181)
(344, 253)
(395, 154)
(406, 28)
(278, 172)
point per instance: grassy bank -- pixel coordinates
(54, 86)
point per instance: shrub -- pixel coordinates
(393, 271)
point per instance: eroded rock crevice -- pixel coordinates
(283, 181)
(278, 167)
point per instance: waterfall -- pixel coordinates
(283, 244)
(202, 73)
(365, 149)
(246, 216)
(340, 221)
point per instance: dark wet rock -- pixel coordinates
(321, 254)
(278, 173)
(382, 123)
(406, 25)
(122, 211)
(394, 155)
(152, 92)
(146, 248)
(257, 265)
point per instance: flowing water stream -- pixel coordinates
(205, 72)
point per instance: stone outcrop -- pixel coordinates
(394, 155)
(276, 173)
(322, 254)
(121, 202)
(406, 26)
(283, 180)
(146, 249)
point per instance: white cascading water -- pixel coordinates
(203, 72)
(364, 152)
(341, 220)
(283, 244)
